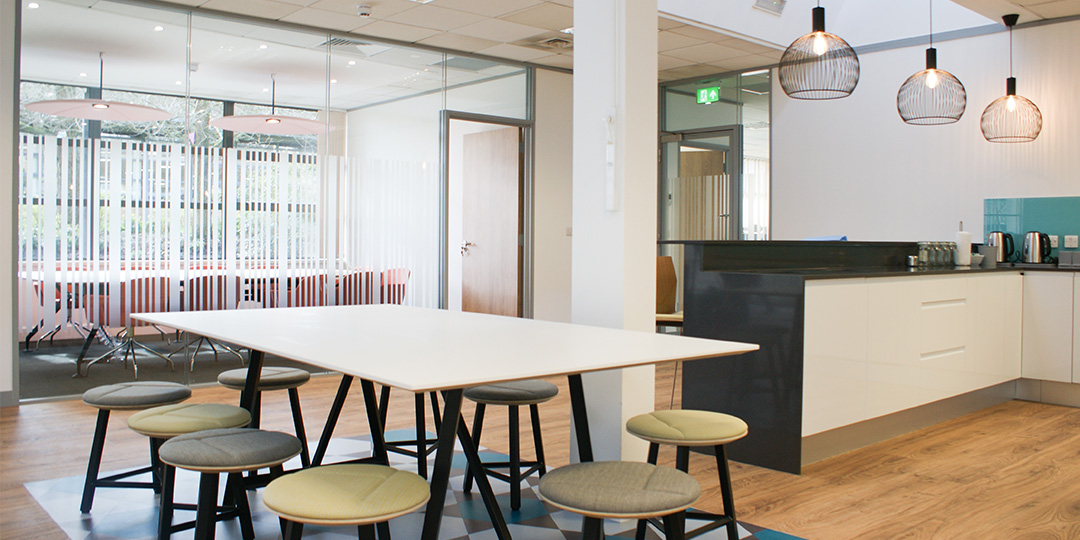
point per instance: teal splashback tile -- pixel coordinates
(1050, 215)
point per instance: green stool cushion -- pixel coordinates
(136, 395)
(271, 378)
(229, 450)
(346, 494)
(513, 393)
(172, 420)
(619, 489)
(687, 427)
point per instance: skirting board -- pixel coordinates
(837, 441)
(1052, 392)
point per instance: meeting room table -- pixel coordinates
(425, 350)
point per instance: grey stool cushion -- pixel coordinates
(619, 489)
(687, 427)
(171, 420)
(229, 450)
(271, 378)
(513, 393)
(136, 395)
(346, 494)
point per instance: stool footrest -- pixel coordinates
(716, 521)
(397, 447)
(101, 481)
(506, 477)
(222, 513)
(115, 484)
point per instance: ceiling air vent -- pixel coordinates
(557, 43)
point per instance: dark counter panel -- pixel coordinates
(764, 387)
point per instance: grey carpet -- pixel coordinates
(47, 372)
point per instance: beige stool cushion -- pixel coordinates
(229, 450)
(346, 494)
(513, 393)
(619, 489)
(271, 378)
(172, 420)
(687, 427)
(136, 395)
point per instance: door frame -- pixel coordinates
(525, 275)
(734, 170)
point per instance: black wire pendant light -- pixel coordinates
(819, 65)
(931, 96)
(1011, 118)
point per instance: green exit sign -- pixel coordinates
(708, 95)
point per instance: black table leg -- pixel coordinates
(247, 396)
(581, 418)
(331, 420)
(472, 456)
(444, 456)
(376, 422)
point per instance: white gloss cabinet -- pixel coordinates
(834, 354)
(1048, 326)
(1076, 327)
(881, 345)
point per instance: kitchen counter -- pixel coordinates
(840, 326)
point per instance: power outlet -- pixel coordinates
(1053, 240)
(1072, 241)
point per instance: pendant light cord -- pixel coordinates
(101, 74)
(931, 23)
(1010, 52)
(273, 95)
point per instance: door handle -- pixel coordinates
(465, 247)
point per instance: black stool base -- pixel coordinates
(727, 519)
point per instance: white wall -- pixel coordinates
(552, 195)
(8, 105)
(851, 166)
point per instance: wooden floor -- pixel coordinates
(1007, 472)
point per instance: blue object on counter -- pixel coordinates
(827, 239)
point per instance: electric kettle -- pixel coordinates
(1036, 247)
(1002, 243)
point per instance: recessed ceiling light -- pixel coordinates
(758, 72)
(421, 1)
(333, 81)
(159, 28)
(82, 74)
(568, 30)
(179, 83)
(755, 92)
(352, 62)
(33, 5)
(263, 46)
(266, 89)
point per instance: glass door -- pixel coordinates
(700, 190)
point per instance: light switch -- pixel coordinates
(1053, 240)
(1072, 241)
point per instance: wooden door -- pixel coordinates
(491, 222)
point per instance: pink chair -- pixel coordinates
(393, 284)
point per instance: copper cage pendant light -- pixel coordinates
(819, 65)
(1011, 118)
(932, 96)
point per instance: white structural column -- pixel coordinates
(614, 204)
(9, 37)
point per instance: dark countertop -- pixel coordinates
(890, 271)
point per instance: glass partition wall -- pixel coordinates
(117, 217)
(714, 161)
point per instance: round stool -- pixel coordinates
(345, 494)
(621, 490)
(210, 453)
(274, 378)
(125, 396)
(166, 422)
(689, 428)
(513, 395)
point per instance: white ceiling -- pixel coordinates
(1029, 10)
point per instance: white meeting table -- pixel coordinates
(427, 350)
